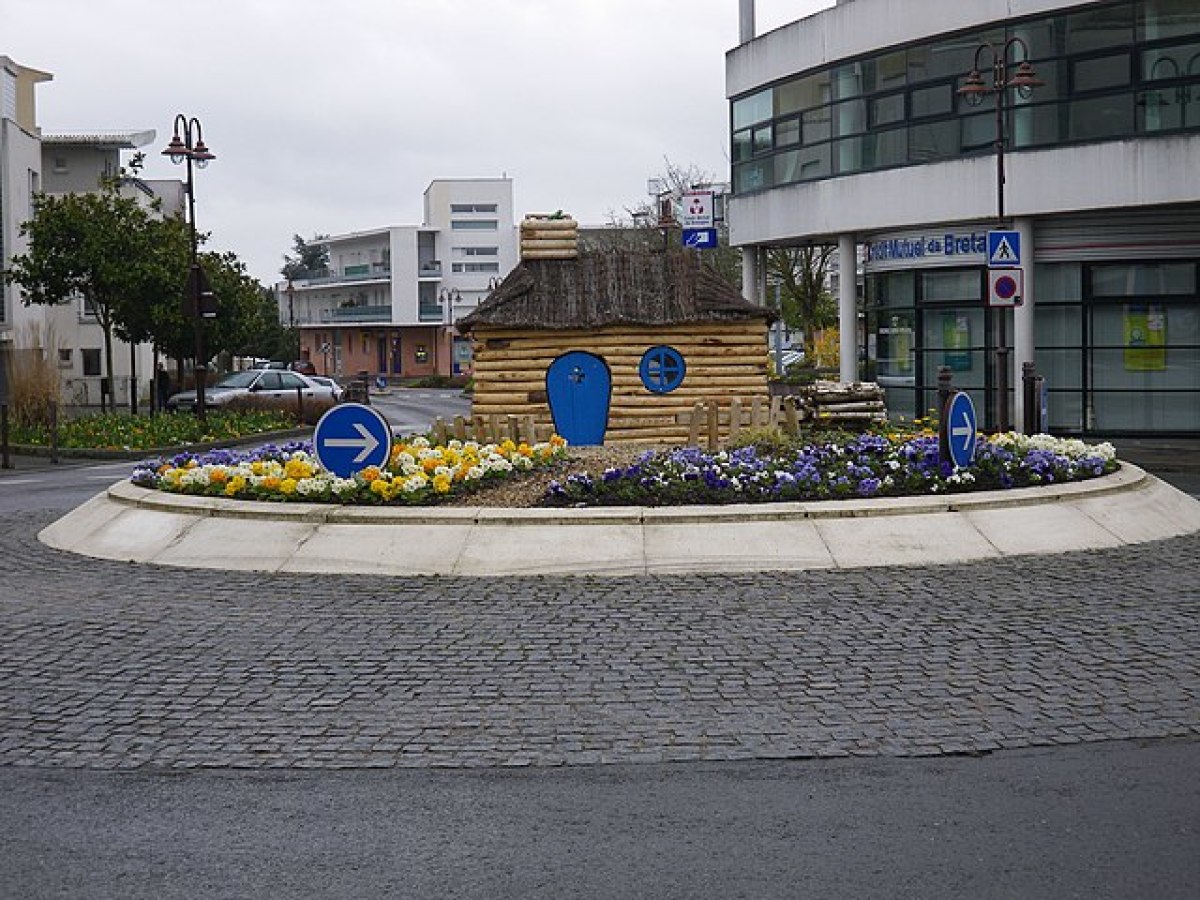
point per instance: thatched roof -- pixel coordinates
(618, 287)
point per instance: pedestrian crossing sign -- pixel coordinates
(1003, 249)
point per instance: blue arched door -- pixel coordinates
(579, 388)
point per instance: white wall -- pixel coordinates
(864, 26)
(1093, 176)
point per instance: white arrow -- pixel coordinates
(368, 442)
(963, 430)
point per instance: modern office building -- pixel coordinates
(851, 127)
(388, 303)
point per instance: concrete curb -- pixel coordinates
(127, 522)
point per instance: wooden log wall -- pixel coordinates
(724, 360)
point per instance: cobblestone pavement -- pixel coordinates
(112, 665)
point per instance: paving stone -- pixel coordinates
(112, 665)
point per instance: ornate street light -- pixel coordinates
(974, 90)
(200, 301)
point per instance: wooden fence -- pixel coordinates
(713, 421)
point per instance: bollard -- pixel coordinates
(1033, 386)
(7, 460)
(54, 432)
(945, 389)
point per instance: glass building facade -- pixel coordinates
(1115, 292)
(1111, 71)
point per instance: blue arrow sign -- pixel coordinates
(351, 437)
(700, 238)
(1004, 249)
(961, 428)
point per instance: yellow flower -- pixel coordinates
(297, 469)
(235, 486)
(508, 447)
(271, 482)
(380, 486)
(370, 473)
(257, 467)
(218, 476)
(441, 484)
(287, 486)
(430, 463)
(525, 450)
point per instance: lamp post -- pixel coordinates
(191, 149)
(290, 290)
(974, 90)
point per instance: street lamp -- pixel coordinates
(291, 295)
(973, 91)
(191, 149)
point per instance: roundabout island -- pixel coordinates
(135, 524)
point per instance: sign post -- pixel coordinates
(697, 220)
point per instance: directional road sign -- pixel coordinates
(701, 238)
(1003, 249)
(1006, 287)
(351, 437)
(961, 427)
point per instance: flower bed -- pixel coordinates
(120, 431)
(416, 473)
(865, 466)
(419, 473)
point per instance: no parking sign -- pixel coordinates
(1006, 287)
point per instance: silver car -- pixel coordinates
(271, 384)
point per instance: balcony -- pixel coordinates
(381, 272)
(429, 269)
(343, 315)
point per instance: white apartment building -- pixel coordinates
(388, 304)
(33, 162)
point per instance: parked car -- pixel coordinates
(331, 384)
(303, 366)
(270, 384)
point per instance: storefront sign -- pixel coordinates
(941, 246)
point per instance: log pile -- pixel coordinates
(549, 236)
(844, 404)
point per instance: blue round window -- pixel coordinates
(662, 369)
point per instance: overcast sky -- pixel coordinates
(334, 117)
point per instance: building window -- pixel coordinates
(476, 267)
(472, 207)
(64, 357)
(1111, 72)
(91, 362)
(474, 225)
(476, 251)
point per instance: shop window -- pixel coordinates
(1144, 279)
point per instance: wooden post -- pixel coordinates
(460, 428)
(439, 431)
(793, 418)
(694, 424)
(756, 412)
(776, 415)
(735, 418)
(494, 431)
(714, 426)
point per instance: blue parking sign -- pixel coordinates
(351, 437)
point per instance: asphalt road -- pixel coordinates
(1114, 820)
